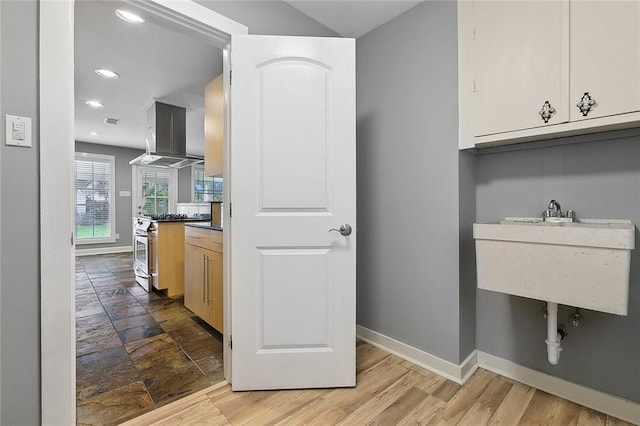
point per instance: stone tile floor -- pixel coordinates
(135, 351)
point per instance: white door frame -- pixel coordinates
(57, 323)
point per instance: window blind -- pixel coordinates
(93, 198)
(155, 192)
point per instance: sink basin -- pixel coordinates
(583, 264)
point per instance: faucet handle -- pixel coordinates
(571, 214)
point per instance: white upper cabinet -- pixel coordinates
(521, 51)
(533, 70)
(605, 58)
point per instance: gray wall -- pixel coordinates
(123, 183)
(466, 250)
(269, 17)
(597, 180)
(19, 231)
(407, 159)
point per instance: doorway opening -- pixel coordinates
(140, 348)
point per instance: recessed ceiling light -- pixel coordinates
(94, 133)
(95, 104)
(129, 16)
(107, 73)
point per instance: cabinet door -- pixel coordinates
(194, 282)
(214, 282)
(521, 54)
(605, 57)
(213, 126)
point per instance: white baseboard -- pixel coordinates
(605, 403)
(104, 250)
(457, 373)
(600, 401)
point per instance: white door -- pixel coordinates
(293, 174)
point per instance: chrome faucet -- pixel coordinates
(553, 213)
(554, 205)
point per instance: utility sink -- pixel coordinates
(583, 264)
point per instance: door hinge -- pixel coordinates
(230, 210)
(230, 77)
(475, 34)
(231, 342)
(72, 239)
(475, 87)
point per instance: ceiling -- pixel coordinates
(351, 18)
(154, 63)
(160, 63)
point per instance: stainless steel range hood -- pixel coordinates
(166, 138)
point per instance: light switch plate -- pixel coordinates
(17, 131)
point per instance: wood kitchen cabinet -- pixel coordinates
(213, 126)
(544, 69)
(168, 257)
(203, 293)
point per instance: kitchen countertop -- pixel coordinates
(204, 225)
(189, 219)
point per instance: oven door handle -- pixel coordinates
(140, 273)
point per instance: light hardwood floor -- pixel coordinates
(389, 391)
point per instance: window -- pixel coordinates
(156, 190)
(205, 188)
(94, 187)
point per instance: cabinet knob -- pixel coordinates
(547, 111)
(586, 104)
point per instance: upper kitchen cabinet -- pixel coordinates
(522, 54)
(605, 58)
(534, 70)
(213, 126)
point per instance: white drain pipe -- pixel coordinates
(553, 337)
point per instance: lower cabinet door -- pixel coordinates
(214, 272)
(195, 281)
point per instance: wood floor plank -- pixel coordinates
(537, 412)
(424, 412)
(389, 396)
(219, 393)
(400, 407)
(589, 417)
(487, 404)
(432, 380)
(202, 413)
(612, 421)
(513, 406)
(446, 390)
(367, 356)
(272, 413)
(347, 400)
(463, 399)
(389, 391)
(239, 405)
(564, 413)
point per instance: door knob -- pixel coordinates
(344, 230)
